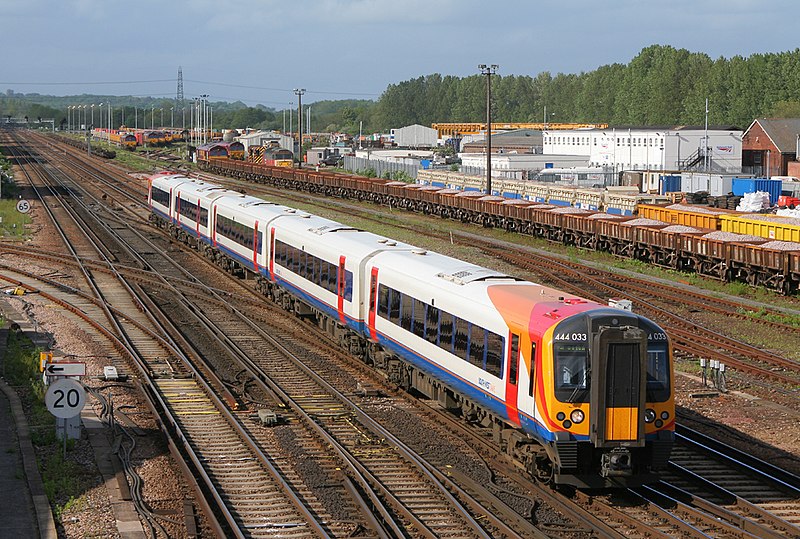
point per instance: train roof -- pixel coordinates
(211, 146)
(198, 188)
(249, 207)
(464, 279)
(348, 240)
(168, 181)
(429, 266)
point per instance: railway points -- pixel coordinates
(654, 524)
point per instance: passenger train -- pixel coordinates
(579, 393)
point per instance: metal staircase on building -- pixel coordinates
(695, 159)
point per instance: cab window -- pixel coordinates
(658, 385)
(571, 362)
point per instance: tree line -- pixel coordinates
(662, 85)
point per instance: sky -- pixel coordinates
(258, 51)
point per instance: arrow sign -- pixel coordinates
(65, 369)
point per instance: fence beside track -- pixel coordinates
(725, 257)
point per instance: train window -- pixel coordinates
(313, 271)
(477, 346)
(533, 369)
(395, 298)
(658, 382)
(305, 267)
(260, 240)
(348, 285)
(446, 331)
(495, 345)
(289, 257)
(419, 318)
(383, 301)
(333, 277)
(513, 359)
(571, 375)
(203, 217)
(160, 196)
(406, 312)
(323, 274)
(461, 340)
(432, 325)
(622, 375)
(284, 253)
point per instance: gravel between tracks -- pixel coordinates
(737, 419)
(89, 512)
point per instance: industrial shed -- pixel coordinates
(415, 136)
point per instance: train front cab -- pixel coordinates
(615, 368)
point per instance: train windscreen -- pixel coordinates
(658, 375)
(571, 363)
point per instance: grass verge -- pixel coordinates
(62, 478)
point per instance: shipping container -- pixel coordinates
(589, 199)
(561, 195)
(669, 184)
(720, 185)
(620, 204)
(751, 185)
(538, 192)
(632, 178)
(695, 182)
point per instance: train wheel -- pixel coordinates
(543, 471)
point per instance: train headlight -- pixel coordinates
(577, 416)
(649, 415)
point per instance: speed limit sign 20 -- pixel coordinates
(65, 398)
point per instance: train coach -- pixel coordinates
(577, 392)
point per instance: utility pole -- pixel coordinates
(299, 93)
(488, 70)
(705, 142)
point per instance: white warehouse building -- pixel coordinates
(678, 148)
(414, 136)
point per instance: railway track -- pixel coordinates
(425, 514)
(665, 524)
(426, 506)
(710, 478)
(161, 366)
(692, 338)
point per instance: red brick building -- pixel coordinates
(769, 146)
